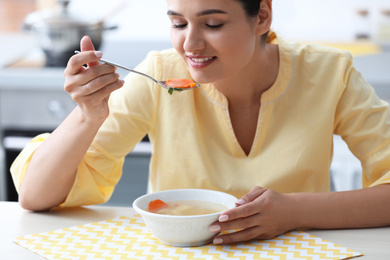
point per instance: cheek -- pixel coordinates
(237, 46)
(177, 41)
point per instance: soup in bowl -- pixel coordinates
(182, 217)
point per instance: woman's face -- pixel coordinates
(215, 38)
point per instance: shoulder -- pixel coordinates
(320, 55)
(320, 62)
(317, 66)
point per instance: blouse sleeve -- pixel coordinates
(96, 176)
(131, 115)
(363, 121)
(20, 165)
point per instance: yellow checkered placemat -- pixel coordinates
(129, 238)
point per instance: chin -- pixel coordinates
(202, 79)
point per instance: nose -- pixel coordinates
(194, 41)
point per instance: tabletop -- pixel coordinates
(373, 243)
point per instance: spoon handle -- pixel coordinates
(128, 69)
(125, 68)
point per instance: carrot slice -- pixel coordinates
(156, 204)
(180, 83)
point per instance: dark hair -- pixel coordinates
(252, 8)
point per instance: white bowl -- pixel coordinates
(182, 231)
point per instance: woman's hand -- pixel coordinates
(260, 214)
(91, 86)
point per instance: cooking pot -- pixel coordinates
(59, 32)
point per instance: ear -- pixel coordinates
(264, 18)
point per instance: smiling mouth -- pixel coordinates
(201, 60)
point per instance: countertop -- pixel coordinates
(374, 243)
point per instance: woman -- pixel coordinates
(264, 118)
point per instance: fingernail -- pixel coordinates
(240, 201)
(223, 218)
(215, 228)
(123, 82)
(98, 54)
(217, 240)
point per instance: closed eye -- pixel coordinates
(215, 26)
(179, 26)
(182, 26)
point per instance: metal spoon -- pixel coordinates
(161, 83)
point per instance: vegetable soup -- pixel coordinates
(185, 207)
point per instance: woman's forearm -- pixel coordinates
(52, 170)
(368, 207)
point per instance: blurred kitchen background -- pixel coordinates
(37, 36)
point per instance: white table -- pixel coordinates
(374, 243)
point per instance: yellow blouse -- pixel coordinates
(318, 93)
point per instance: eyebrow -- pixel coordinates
(201, 13)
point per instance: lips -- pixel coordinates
(200, 62)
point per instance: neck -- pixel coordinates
(246, 86)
